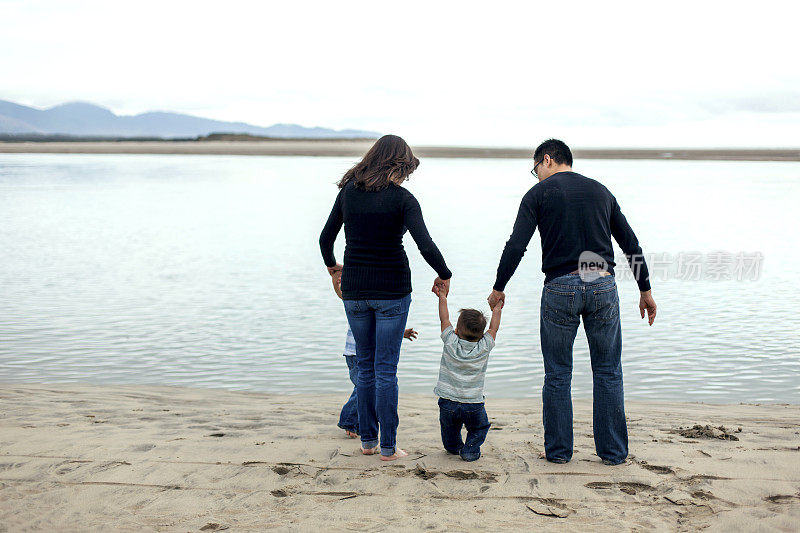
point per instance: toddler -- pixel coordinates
(461, 374)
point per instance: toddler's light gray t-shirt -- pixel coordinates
(463, 367)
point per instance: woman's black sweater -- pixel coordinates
(375, 263)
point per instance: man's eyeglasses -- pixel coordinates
(533, 170)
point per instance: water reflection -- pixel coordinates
(205, 271)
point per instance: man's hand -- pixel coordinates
(441, 285)
(335, 268)
(410, 334)
(495, 297)
(646, 302)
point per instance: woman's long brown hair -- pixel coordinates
(389, 159)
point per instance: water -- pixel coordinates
(205, 271)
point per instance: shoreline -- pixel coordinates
(99, 457)
(348, 148)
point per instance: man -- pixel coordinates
(577, 217)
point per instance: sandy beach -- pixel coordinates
(103, 458)
(357, 148)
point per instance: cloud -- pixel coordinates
(765, 102)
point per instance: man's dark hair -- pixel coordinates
(557, 150)
(471, 324)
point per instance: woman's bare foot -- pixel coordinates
(351, 434)
(370, 451)
(398, 453)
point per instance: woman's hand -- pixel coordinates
(440, 284)
(335, 268)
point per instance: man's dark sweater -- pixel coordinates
(375, 263)
(574, 214)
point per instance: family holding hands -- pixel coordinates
(577, 217)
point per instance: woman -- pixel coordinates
(376, 280)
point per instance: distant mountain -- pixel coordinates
(84, 119)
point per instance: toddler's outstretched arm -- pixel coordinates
(494, 323)
(444, 315)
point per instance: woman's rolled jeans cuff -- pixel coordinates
(368, 445)
(387, 452)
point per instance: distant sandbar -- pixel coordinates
(355, 148)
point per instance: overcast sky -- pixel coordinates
(489, 73)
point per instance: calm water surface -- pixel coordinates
(205, 271)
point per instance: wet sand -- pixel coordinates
(357, 148)
(99, 458)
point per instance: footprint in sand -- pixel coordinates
(211, 526)
(142, 447)
(461, 475)
(9, 466)
(657, 469)
(628, 487)
(423, 473)
(782, 498)
(703, 495)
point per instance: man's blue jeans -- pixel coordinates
(454, 415)
(348, 418)
(565, 300)
(378, 327)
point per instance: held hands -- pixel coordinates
(647, 303)
(495, 298)
(410, 334)
(441, 287)
(497, 306)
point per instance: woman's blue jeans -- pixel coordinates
(565, 301)
(378, 327)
